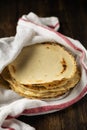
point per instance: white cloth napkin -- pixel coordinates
(32, 29)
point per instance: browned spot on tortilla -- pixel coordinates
(47, 47)
(63, 62)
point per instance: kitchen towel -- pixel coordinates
(33, 29)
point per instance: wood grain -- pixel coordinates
(73, 21)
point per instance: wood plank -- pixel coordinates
(8, 18)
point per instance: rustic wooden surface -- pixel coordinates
(73, 20)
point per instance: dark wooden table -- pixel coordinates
(73, 21)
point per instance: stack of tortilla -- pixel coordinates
(44, 70)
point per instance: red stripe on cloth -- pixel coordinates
(46, 26)
(56, 25)
(8, 128)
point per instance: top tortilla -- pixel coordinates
(42, 63)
